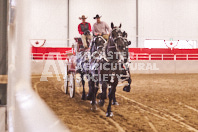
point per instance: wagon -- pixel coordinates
(70, 68)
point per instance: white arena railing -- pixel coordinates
(164, 57)
(26, 111)
(145, 56)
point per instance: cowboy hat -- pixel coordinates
(97, 16)
(83, 17)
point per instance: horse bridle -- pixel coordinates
(101, 46)
(114, 39)
(105, 44)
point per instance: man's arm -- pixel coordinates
(79, 30)
(107, 27)
(94, 30)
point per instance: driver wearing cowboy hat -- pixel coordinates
(82, 27)
(101, 28)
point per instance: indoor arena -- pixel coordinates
(98, 65)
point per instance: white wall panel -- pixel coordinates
(26, 111)
(117, 11)
(3, 118)
(165, 19)
(158, 19)
(49, 21)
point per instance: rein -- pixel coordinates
(113, 40)
(107, 44)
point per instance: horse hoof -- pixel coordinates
(109, 114)
(127, 88)
(101, 103)
(83, 97)
(92, 103)
(115, 103)
(99, 96)
(89, 97)
(94, 108)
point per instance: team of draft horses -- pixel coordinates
(106, 56)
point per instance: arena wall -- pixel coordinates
(125, 13)
(168, 21)
(50, 19)
(47, 67)
(142, 60)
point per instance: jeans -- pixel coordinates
(84, 37)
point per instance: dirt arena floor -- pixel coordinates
(158, 103)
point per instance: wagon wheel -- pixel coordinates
(66, 79)
(71, 84)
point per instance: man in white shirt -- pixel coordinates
(100, 28)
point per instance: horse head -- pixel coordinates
(119, 40)
(117, 37)
(116, 31)
(99, 43)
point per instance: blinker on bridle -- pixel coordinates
(114, 39)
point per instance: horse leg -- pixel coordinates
(93, 101)
(91, 85)
(102, 96)
(111, 93)
(83, 83)
(97, 87)
(128, 88)
(114, 99)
